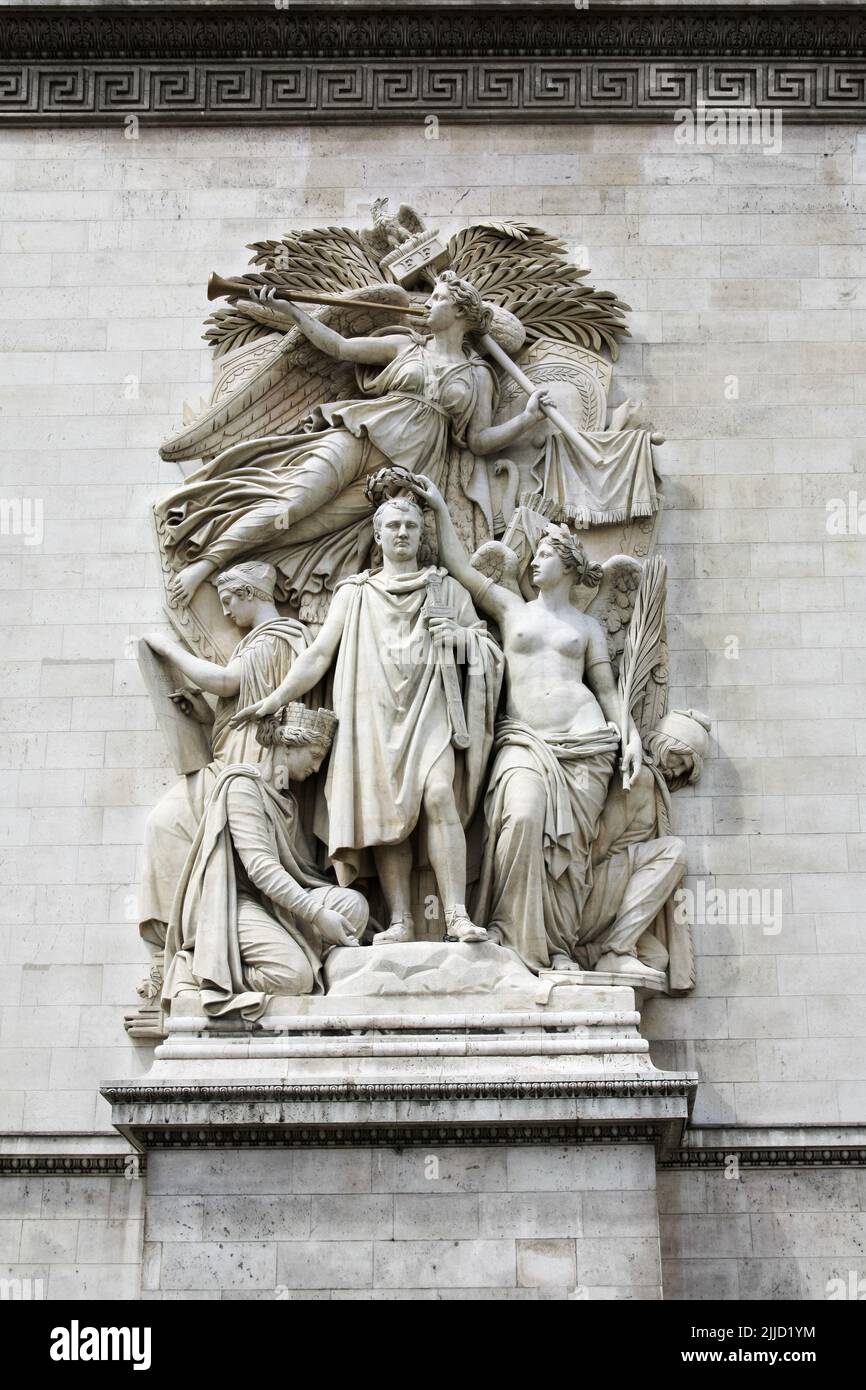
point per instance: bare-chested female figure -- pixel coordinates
(554, 749)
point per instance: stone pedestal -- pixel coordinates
(436, 1125)
(441, 1123)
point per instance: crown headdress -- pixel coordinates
(295, 723)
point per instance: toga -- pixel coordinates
(394, 723)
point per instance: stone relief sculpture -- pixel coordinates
(434, 401)
(260, 660)
(393, 754)
(252, 915)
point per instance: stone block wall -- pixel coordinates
(71, 1238)
(744, 271)
(476, 1223)
(763, 1234)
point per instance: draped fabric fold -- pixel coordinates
(414, 413)
(544, 801)
(619, 489)
(393, 715)
(265, 656)
(203, 938)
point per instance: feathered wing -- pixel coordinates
(527, 271)
(613, 601)
(290, 380)
(645, 639)
(279, 383)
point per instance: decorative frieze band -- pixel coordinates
(74, 1165)
(288, 65)
(764, 1158)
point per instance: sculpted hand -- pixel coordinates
(192, 703)
(427, 491)
(265, 307)
(184, 585)
(254, 712)
(335, 928)
(161, 645)
(533, 412)
(632, 759)
(444, 632)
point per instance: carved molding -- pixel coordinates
(382, 1114)
(389, 1136)
(178, 65)
(351, 1092)
(71, 1165)
(705, 1159)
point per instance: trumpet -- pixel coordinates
(219, 286)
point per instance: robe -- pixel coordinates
(542, 810)
(266, 655)
(249, 866)
(393, 717)
(413, 412)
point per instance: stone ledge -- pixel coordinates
(635, 1109)
(69, 1165)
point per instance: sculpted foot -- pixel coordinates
(623, 965)
(460, 927)
(402, 928)
(558, 961)
(182, 588)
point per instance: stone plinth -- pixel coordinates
(441, 1123)
(409, 1035)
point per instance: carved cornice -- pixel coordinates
(180, 65)
(556, 31)
(388, 1136)
(359, 1114)
(351, 1093)
(71, 1165)
(707, 1159)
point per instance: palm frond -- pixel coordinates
(527, 270)
(325, 259)
(645, 635)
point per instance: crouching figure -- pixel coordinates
(253, 916)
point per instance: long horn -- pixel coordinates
(218, 287)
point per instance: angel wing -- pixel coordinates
(291, 378)
(323, 259)
(268, 387)
(499, 563)
(612, 603)
(527, 271)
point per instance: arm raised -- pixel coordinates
(217, 680)
(493, 599)
(307, 669)
(263, 308)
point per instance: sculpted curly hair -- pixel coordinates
(473, 308)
